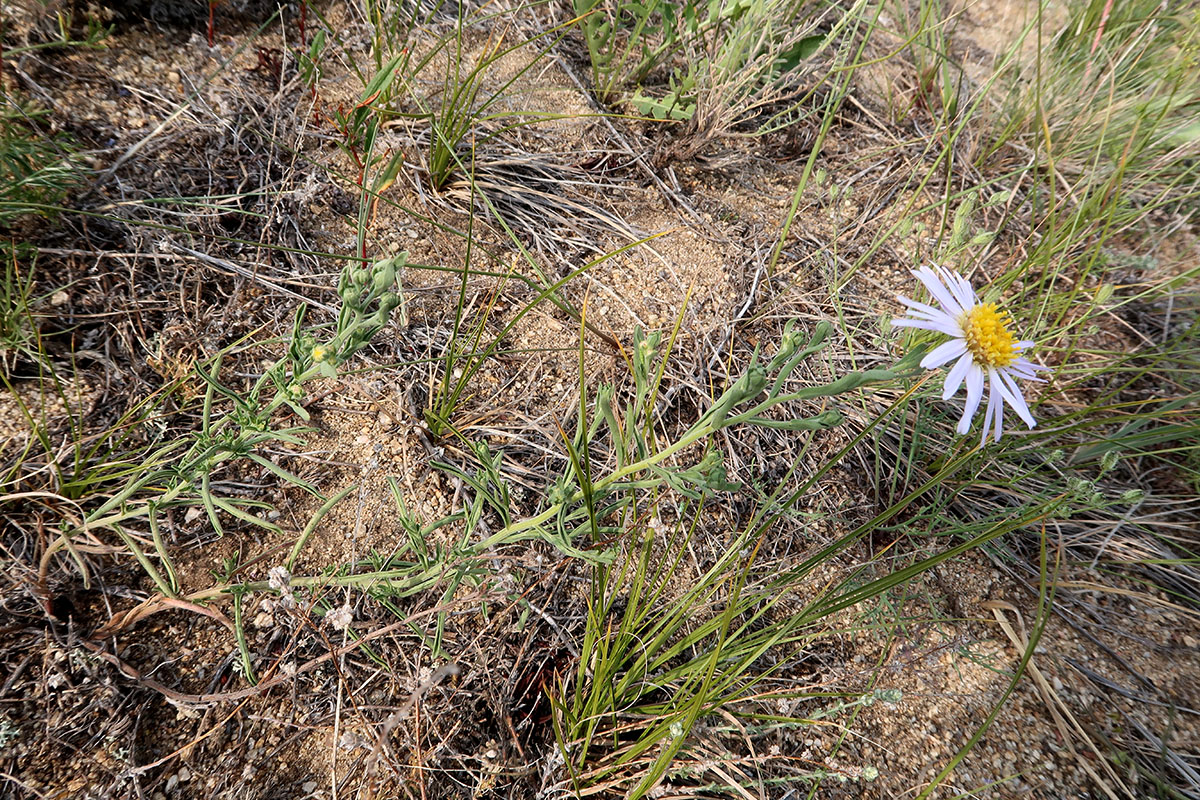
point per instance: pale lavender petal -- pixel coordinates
(993, 408)
(1012, 394)
(956, 375)
(974, 396)
(928, 309)
(969, 292)
(939, 291)
(933, 314)
(922, 311)
(959, 287)
(1024, 368)
(943, 353)
(994, 383)
(1025, 345)
(937, 315)
(927, 325)
(1022, 373)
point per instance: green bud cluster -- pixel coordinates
(368, 300)
(1085, 491)
(1132, 496)
(561, 492)
(747, 387)
(645, 350)
(891, 696)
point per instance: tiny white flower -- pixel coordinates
(278, 578)
(982, 346)
(340, 618)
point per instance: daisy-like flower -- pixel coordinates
(983, 344)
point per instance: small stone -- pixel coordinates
(59, 298)
(309, 787)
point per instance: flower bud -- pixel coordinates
(387, 303)
(385, 276)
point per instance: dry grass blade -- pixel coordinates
(544, 198)
(1068, 726)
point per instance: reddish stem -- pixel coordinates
(1087, 73)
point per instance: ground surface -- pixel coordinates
(94, 704)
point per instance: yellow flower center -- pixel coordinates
(988, 338)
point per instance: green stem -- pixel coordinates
(239, 633)
(312, 524)
(161, 547)
(142, 559)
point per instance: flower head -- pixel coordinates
(982, 347)
(341, 617)
(278, 578)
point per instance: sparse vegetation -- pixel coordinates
(444, 400)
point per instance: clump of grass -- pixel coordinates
(18, 331)
(656, 664)
(746, 68)
(625, 41)
(36, 169)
